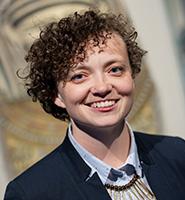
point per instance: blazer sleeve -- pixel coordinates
(13, 192)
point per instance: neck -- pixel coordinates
(110, 144)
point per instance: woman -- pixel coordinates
(82, 69)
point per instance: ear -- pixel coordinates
(59, 101)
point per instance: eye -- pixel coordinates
(78, 78)
(118, 70)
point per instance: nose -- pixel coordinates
(101, 87)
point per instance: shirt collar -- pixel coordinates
(102, 168)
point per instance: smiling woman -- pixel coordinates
(102, 95)
(63, 53)
(82, 69)
(102, 86)
(27, 133)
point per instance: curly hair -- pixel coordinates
(52, 55)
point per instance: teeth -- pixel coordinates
(103, 104)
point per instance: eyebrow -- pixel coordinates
(109, 62)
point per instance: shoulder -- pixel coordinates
(51, 163)
(159, 145)
(159, 139)
(39, 178)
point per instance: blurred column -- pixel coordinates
(150, 19)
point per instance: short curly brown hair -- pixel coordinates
(52, 55)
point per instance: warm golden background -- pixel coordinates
(27, 133)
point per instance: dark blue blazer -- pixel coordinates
(62, 175)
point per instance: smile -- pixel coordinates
(103, 104)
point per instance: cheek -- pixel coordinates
(126, 87)
(74, 95)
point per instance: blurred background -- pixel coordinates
(27, 133)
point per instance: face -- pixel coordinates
(99, 90)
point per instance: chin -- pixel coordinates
(108, 123)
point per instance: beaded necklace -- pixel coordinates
(135, 189)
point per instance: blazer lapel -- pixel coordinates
(90, 187)
(153, 170)
(94, 189)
